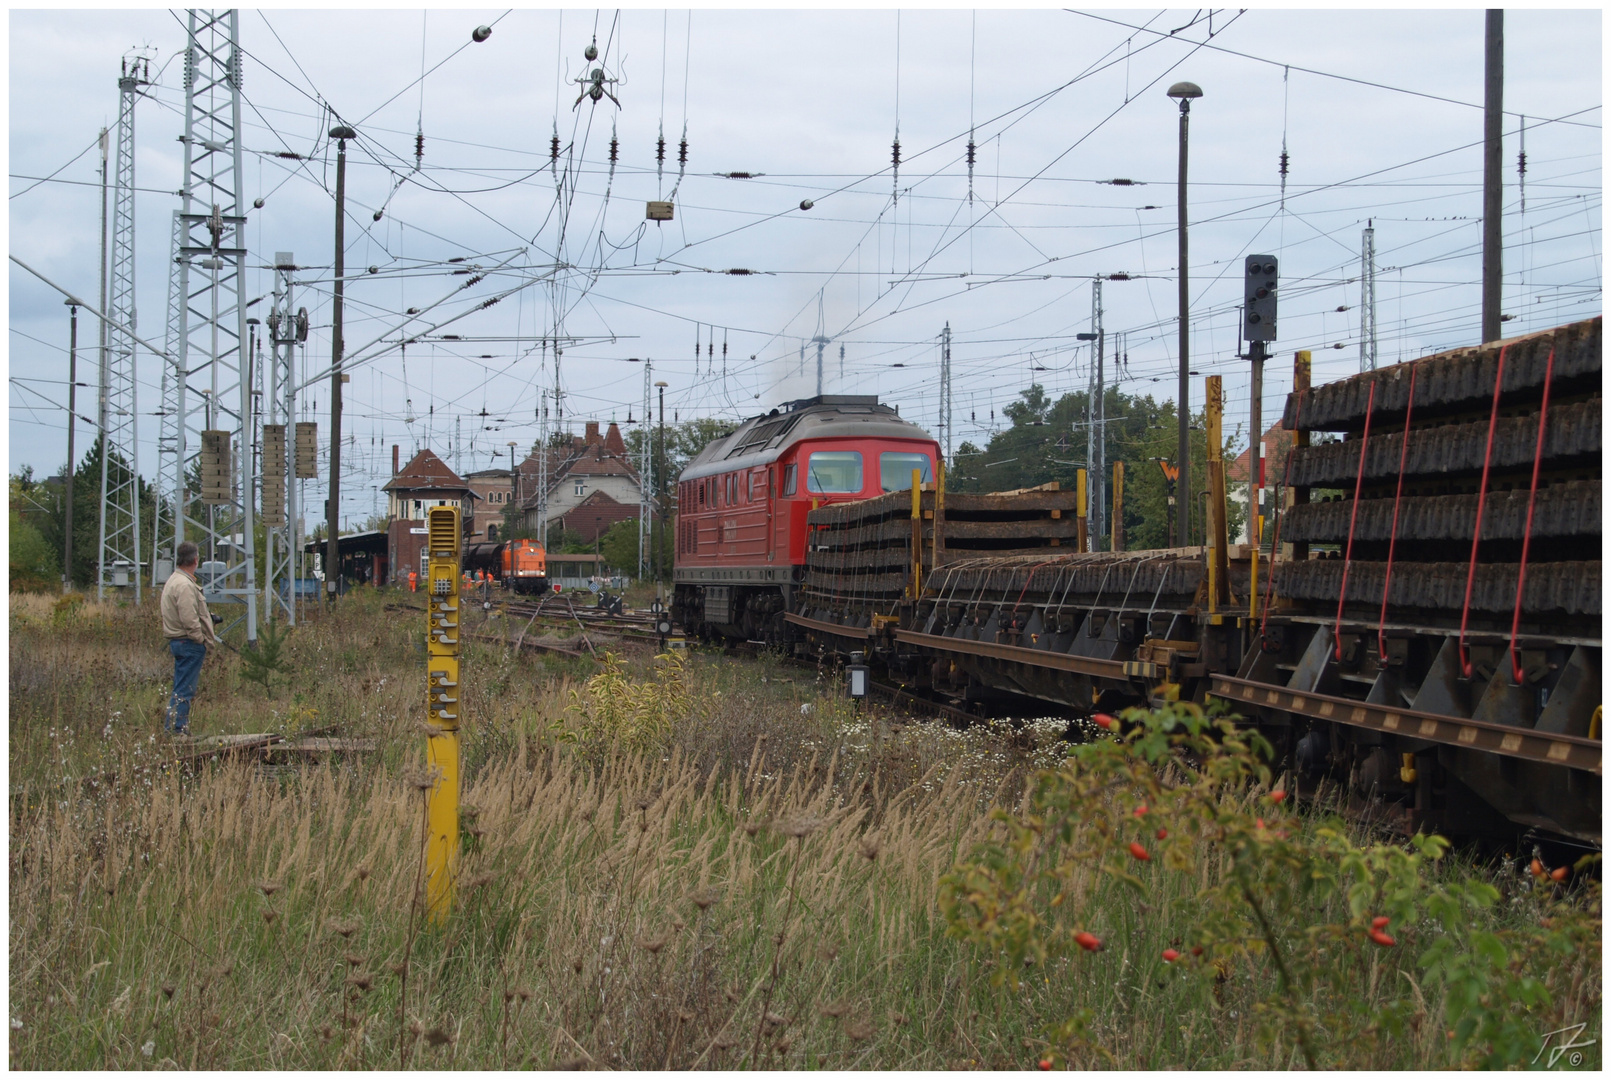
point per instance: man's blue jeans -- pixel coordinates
(187, 658)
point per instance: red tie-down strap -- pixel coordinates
(1482, 497)
(1353, 516)
(1527, 531)
(1392, 537)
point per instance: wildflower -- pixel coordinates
(1088, 941)
(1383, 939)
(1139, 852)
(1162, 834)
(1170, 956)
(1380, 922)
(800, 827)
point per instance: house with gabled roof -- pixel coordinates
(592, 482)
(426, 481)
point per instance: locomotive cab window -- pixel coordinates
(833, 472)
(789, 479)
(895, 470)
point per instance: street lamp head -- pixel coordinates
(342, 131)
(1185, 91)
(662, 384)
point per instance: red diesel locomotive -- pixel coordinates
(742, 505)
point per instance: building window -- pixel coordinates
(581, 487)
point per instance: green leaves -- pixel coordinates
(1286, 912)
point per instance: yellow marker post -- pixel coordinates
(1118, 506)
(444, 616)
(1081, 522)
(917, 533)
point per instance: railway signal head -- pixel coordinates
(1259, 287)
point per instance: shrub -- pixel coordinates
(1309, 930)
(613, 710)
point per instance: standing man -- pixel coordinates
(413, 581)
(188, 626)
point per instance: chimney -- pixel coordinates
(592, 432)
(394, 459)
(613, 441)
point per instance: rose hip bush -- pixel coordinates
(1168, 842)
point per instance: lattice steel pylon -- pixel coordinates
(118, 562)
(213, 401)
(168, 419)
(288, 328)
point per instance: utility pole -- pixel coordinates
(1184, 92)
(1493, 117)
(659, 543)
(1367, 297)
(945, 390)
(72, 426)
(645, 478)
(1099, 461)
(100, 418)
(332, 559)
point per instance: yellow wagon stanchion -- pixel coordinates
(444, 615)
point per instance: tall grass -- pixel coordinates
(757, 886)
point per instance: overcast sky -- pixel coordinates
(1379, 111)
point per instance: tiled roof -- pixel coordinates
(580, 458)
(426, 472)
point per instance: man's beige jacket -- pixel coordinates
(184, 610)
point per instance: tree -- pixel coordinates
(35, 565)
(1047, 442)
(620, 546)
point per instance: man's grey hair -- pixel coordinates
(187, 554)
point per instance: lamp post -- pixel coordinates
(1184, 92)
(332, 556)
(659, 475)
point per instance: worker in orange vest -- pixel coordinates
(413, 581)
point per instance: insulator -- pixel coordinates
(971, 151)
(660, 149)
(1284, 160)
(615, 149)
(682, 152)
(1521, 163)
(591, 52)
(895, 153)
(553, 148)
(480, 34)
(597, 93)
(419, 145)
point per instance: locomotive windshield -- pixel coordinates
(895, 470)
(834, 472)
